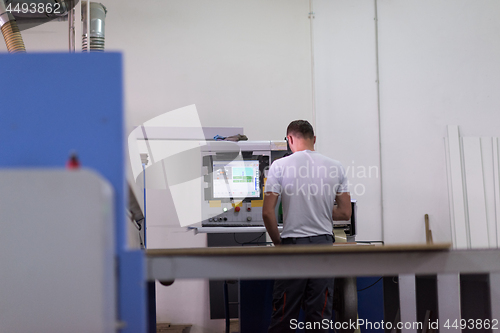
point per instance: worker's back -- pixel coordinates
(308, 182)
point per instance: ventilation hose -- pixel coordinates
(10, 31)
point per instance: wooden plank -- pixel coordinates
(476, 204)
(428, 232)
(489, 189)
(450, 192)
(457, 186)
(293, 265)
(496, 184)
(294, 249)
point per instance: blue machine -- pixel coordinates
(53, 104)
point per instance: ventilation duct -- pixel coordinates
(97, 23)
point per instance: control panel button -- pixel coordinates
(249, 209)
(237, 209)
(249, 218)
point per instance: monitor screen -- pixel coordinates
(236, 179)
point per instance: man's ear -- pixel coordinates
(314, 141)
(290, 139)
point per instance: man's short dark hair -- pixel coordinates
(301, 129)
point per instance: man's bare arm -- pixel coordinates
(269, 216)
(343, 210)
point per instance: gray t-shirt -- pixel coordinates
(308, 183)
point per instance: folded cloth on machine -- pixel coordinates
(237, 137)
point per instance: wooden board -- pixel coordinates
(294, 249)
(476, 204)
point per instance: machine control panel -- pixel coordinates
(233, 182)
(235, 214)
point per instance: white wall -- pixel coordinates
(346, 101)
(439, 65)
(243, 63)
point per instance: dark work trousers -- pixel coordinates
(315, 296)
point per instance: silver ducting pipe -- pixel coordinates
(10, 31)
(97, 23)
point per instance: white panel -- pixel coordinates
(346, 101)
(448, 289)
(408, 301)
(495, 294)
(489, 189)
(457, 186)
(496, 185)
(56, 252)
(476, 205)
(425, 86)
(450, 193)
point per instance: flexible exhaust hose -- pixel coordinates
(13, 38)
(10, 31)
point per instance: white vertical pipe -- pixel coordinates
(88, 25)
(379, 121)
(313, 77)
(78, 27)
(71, 30)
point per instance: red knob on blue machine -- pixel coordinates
(73, 162)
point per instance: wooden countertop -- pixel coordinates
(295, 249)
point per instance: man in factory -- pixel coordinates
(308, 183)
